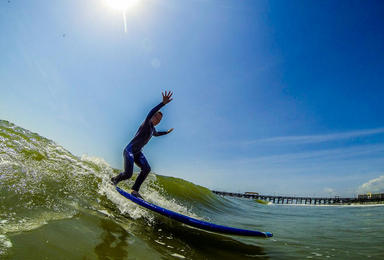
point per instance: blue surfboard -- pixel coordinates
(192, 221)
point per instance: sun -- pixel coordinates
(121, 5)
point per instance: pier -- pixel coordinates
(301, 200)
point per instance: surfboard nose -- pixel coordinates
(268, 234)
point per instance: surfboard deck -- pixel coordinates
(192, 221)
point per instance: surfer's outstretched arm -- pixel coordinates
(166, 99)
(153, 111)
(160, 133)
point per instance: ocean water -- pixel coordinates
(54, 205)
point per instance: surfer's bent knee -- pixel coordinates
(146, 169)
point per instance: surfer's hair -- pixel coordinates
(160, 113)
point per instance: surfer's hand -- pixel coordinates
(167, 97)
(170, 130)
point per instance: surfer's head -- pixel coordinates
(157, 118)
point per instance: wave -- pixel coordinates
(39, 177)
(41, 182)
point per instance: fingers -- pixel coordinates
(167, 94)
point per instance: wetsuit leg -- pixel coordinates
(145, 169)
(128, 167)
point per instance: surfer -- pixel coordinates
(132, 152)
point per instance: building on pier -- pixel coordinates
(251, 193)
(371, 196)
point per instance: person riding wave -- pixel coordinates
(132, 152)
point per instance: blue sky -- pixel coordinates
(278, 97)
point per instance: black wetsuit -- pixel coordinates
(132, 152)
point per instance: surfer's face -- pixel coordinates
(157, 118)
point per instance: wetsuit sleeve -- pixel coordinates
(153, 111)
(160, 133)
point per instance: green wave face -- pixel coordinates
(39, 180)
(187, 192)
(44, 188)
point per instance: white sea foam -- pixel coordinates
(5, 243)
(96, 160)
(26, 224)
(124, 205)
(178, 255)
(105, 212)
(159, 242)
(149, 193)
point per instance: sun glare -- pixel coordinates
(121, 5)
